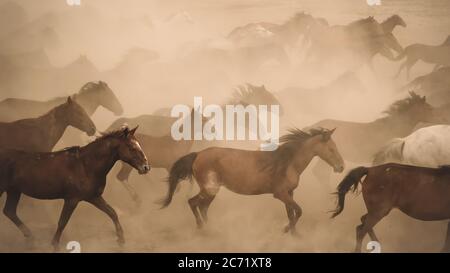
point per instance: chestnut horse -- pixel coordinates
(419, 192)
(42, 133)
(255, 172)
(74, 174)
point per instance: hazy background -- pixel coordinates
(69, 45)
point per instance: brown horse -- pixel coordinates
(402, 118)
(254, 172)
(74, 174)
(168, 151)
(421, 193)
(90, 97)
(42, 133)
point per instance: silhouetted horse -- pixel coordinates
(402, 118)
(74, 174)
(254, 172)
(90, 97)
(41, 134)
(422, 193)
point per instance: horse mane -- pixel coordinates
(395, 16)
(298, 16)
(243, 93)
(89, 86)
(403, 105)
(279, 159)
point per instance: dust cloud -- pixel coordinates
(155, 54)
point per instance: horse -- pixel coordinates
(90, 97)
(168, 151)
(364, 38)
(159, 123)
(439, 55)
(42, 133)
(419, 192)
(426, 147)
(401, 119)
(433, 83)
(74, 174)
(257, 34)
(254, 172)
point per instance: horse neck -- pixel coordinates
(55, 124)
(388, 25)
(99, 157)
(88, 100)
(303, 157)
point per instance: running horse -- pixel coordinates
(74, 174)
(419, 192)
(254, 172)
(42, 133)
(90, 97)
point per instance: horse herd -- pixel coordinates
(418, 183)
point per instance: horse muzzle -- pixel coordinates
(144, 169)
(339, 169)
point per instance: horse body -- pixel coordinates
(41, 134)
(254, 172)
(421, 193)
(426, 147)
(438, 55)
(75, 174)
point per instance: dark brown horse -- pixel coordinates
(254, 172)
(421, 193)
(42, 133)
(168, 151)
(74, 174)
(90, 97)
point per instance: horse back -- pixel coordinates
(12, 109)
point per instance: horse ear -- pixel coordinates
(69, 100)
(332, 131)
(132, 131)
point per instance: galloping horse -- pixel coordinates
(402, 118)
(90, 97)
(42, 133)
(419, 192)
(74, 174)
(439, 55)
(254, 172)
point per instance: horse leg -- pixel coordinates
(446, 247)
(291, 215)
(66, 213)
(102, 205)
(370, 220)
(10, 210)
(204, 206)
(400, 69)
(409, 64)
(371, 233)
(194, 203)
(123, 176)
(293, 209)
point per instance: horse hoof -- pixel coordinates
(286, 229)
(121, 242)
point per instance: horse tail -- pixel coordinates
(350, 182)
(180, 170)
(391, 152)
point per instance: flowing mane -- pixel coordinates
(290, 143)
(402, 106)
(363, 21)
